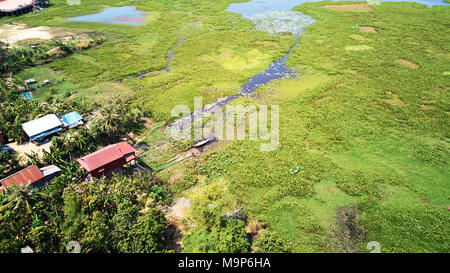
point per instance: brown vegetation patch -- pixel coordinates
(368, 30)
(82, 46)
(178, 176)
(254, 227)
(265, 43)
(348, 232)
(394, 100)
(172, 236)
(407, 64)
(324, 98)
(427, 104)
(364, 7)
(225, 55)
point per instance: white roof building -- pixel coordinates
(50, 170)
(42, 127)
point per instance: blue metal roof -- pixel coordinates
(42, 135)
(71, 119)
(6, 148)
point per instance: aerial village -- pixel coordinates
(43, 129)
(40, 131)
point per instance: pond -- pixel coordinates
(125, 15)
(254, 7)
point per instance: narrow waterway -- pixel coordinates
(274, 22)
(275, 17)
(275, 71)
(167, 69)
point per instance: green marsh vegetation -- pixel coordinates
(370, 136)
(364, 145)
(131, 50)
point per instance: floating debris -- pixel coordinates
(282, 22)
(30, 81)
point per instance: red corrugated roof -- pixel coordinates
(107, 155)
(23, 177)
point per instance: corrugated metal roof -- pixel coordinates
(107, 155)
(23, 177)
(41, 125)
(48, 170)
(46, 133)
(71, 119)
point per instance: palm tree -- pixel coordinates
(20, 197)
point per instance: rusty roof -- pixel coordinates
(107, 155)
(26, 176)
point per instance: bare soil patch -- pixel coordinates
(347, 232)
(172, 237)
(394, 100)
(174, 233)
(364, 7)
(255, 227)
(368, 29)
(177, 176)
(12, 34)
(29, 148)
(178, 209)
(407, 64)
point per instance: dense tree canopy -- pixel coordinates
(105, 215)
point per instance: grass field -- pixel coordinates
(365, 124)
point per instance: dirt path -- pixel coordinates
(174, 214)
(29, 148)
(12, 34)
(178, 209)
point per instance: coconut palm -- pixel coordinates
(20, 197)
